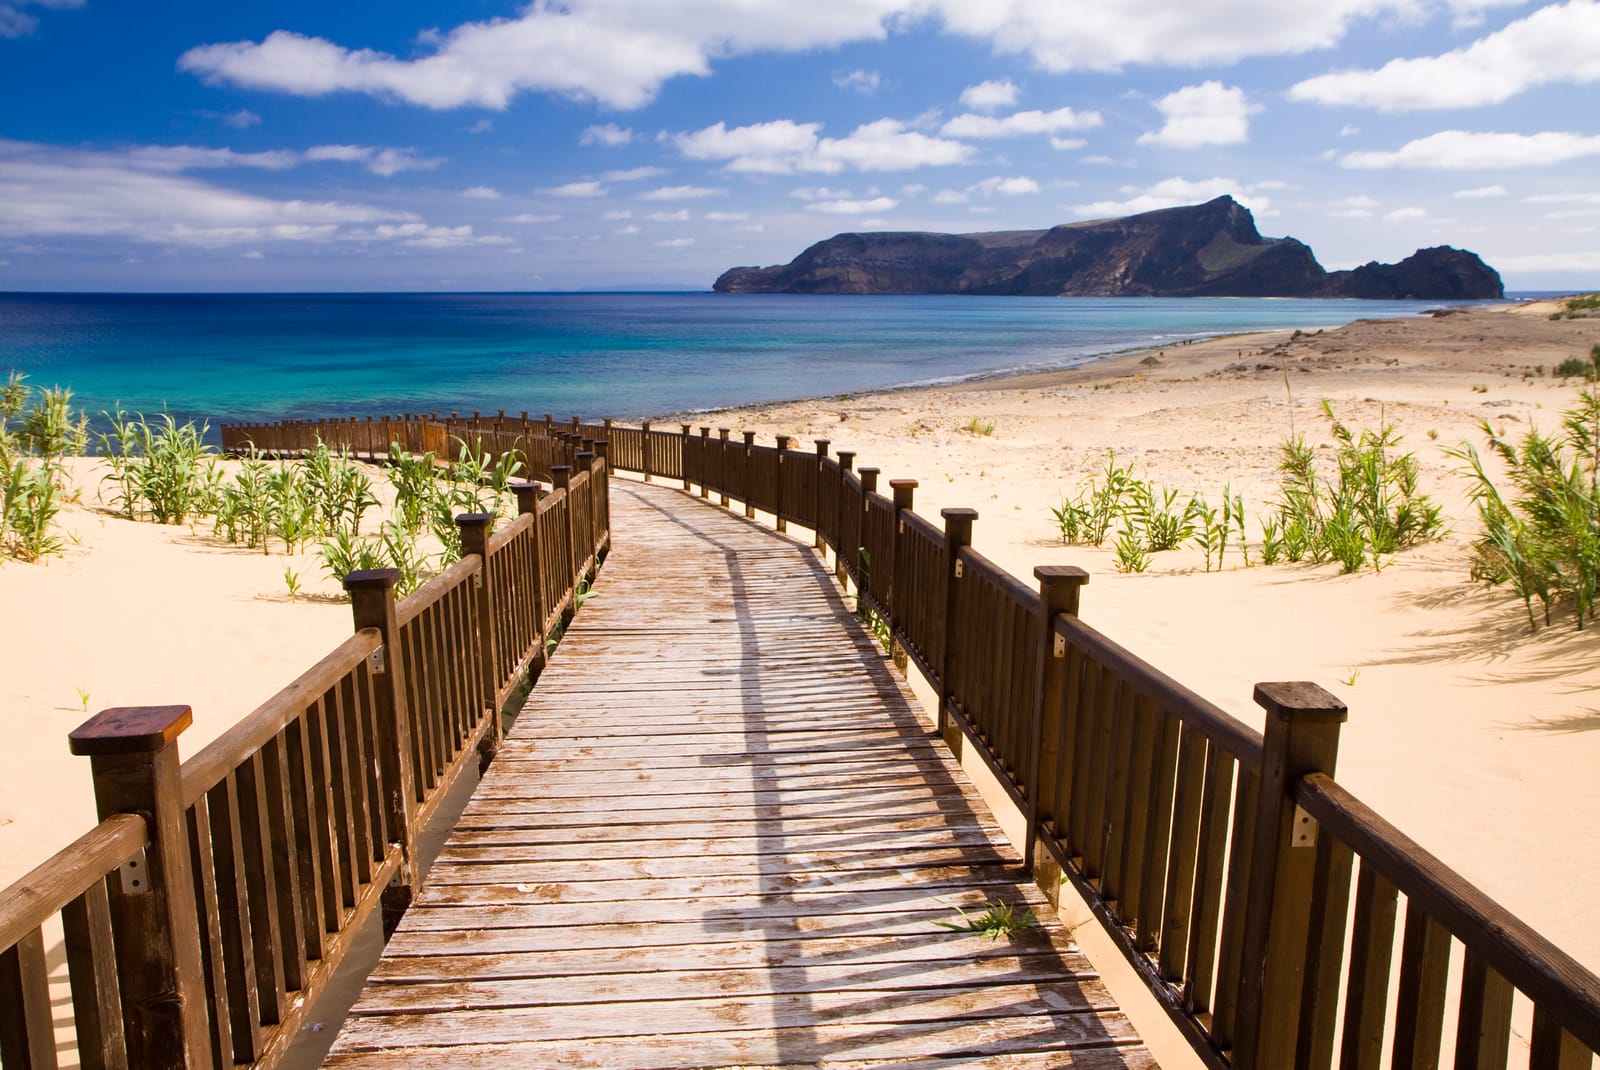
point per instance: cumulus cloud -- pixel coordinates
(632, 174)
(675, 243)
(1206, 114)
(1010, 187)
(1481, 192)
(727, 217)
(1461, 150)
(1358, 207)
(987, 96)
(620, 52)
(1559, 43)
(1405, 215)
(609, 134)
(1171, 192)
(533, 217)
(17, 21)
(680, 216)
(379, 161)
(681, 193)
(854, 207)
(577, 189)
(621, 213)
(784, 146)
(243, 119)
(1021, 123)
(950, 196)
(481, 193)
(863, 82)
(631, 228)
(192, 158)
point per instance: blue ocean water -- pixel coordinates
(265, 356)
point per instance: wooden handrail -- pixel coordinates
(67, 874)
(1533, 965)
(206, 768)
(415, 603)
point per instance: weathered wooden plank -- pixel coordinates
(719, 834)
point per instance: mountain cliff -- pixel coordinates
(1203, 250)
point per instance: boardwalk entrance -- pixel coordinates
(711, 840)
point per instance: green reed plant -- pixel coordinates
(36, 435)
(1089, 516)
(1368, 509)
(1542, 535)
(161, 468)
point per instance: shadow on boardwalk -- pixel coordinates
(719, 835)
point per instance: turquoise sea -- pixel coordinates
(265, 356)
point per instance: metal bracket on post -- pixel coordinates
(135, 881)
(1303, 833)
(377, 662)
(1059, 649)
(959, 570)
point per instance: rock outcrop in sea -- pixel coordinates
(1203, 250)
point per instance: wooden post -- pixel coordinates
(819, 542)
(687, 444)
(957, 534)
(847, 460)
(644, 448)
(1059, 588)
(475, 543)
(722, 467)
(777, 490)
(902, 489)
(1301, 737)
(749, 447)
(372, 602)
(705, 462)
(133, 757)
(562, 474)
(528, 495)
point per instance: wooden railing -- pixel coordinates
(1258, 899)
(207, 911)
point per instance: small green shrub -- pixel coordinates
(36, 435)
(975, 426)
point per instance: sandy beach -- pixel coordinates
(1476, 737)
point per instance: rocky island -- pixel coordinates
(1203, 250)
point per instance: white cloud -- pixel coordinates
(1349, 130)
(1021, 123)
(481, 193)
(1405, 215)
(863, 82)
(950, 196)
(1010, 187)
(243, 119)
(680, 216)
(1206, 114)
(380, 161)
(1564, 198)
(682, 193)
(620, 52)
(1468, 13)
(785, 147)
(190, 158)
(818, 193)
(854, 207)
(632, 174)
(1358, 207)
(482, 126)
(987, 96)
(1460, 150)
(631, 228)
(16, 22)
(50, 191)
(1571, 262)
(1067, 144)
(1481, 191)
(577, 189)
(675, 243)
(727, 217)
(1558, 43)
(534, 217)
(619, 214)
(609, 134)
(1172, 192)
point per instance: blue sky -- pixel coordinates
(595, 143)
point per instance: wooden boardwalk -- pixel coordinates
(715, 839)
